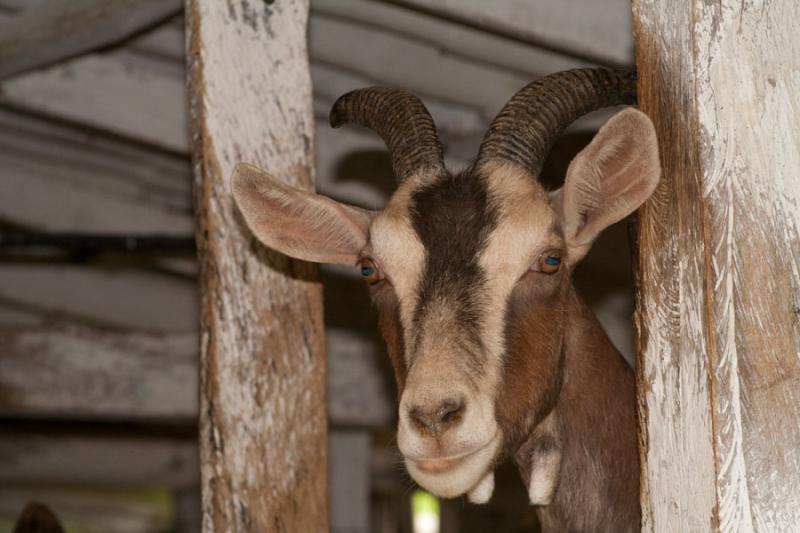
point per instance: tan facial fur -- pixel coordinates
(435, 370)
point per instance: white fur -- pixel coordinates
(544, 477)
(482, 492)
(460, 479)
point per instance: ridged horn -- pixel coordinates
(528, 125)
(401, 120)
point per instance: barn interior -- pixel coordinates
(99, 301)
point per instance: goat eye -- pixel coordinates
(369, 271)
(549, 262)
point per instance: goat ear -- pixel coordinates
(297, 223)
(609, 179)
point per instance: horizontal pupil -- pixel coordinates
(553, 261)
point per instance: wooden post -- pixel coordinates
(718, 310)
(262, 422)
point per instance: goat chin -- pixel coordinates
(464, 476)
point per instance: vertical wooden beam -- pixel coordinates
(672, 373)
(349, 480)
(718, 267)
(263, 424)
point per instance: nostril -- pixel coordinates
(446, 415)
(421, 419)
(450, 413)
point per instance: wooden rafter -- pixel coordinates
(57, 30)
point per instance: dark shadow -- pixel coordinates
(561, 155)
(509, 509)
(371, 168)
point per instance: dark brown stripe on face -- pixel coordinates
(453, 218)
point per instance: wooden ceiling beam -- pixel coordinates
(56, 30)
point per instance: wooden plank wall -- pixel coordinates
(718, 267)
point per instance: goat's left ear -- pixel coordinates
(608, 180)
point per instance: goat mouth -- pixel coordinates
(439, 465)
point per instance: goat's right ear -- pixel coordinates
(297, 223)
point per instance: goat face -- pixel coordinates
(472, 312)
(469, 271)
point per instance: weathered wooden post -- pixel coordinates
(718, 310)
(262, 422)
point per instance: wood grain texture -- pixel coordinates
(96, 459)
(584, 28)
(263, 426)
(56, 30)
(81, 372)
(55, 177)
(113, 92)
(73, 371)
(717, 311)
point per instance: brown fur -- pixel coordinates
(598, 482)
(533, 365)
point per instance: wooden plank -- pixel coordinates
(718, 268)
(112, 92)
(61, 178)
(81, 372)
(263, 429)
(425, 54)
(107, 295)
(591, 29)
(71, 371)
(108, 460)
(94, 511)
(396, 60)
(450, 38)
(55, 30)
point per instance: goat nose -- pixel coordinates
(439, 419)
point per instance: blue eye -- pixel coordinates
(549, 262)
(369, 271)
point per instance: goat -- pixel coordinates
(494, 354)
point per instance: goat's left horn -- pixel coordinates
(527, 126)
(401, 120)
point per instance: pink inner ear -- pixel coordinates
(297, 223)
(610, 178)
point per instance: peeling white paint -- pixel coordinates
(749, 79)
(731, 71)
(263, 378)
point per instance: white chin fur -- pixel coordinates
(462, 478)
(482, 492)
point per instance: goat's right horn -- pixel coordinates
(527, 126)
(401, 120)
